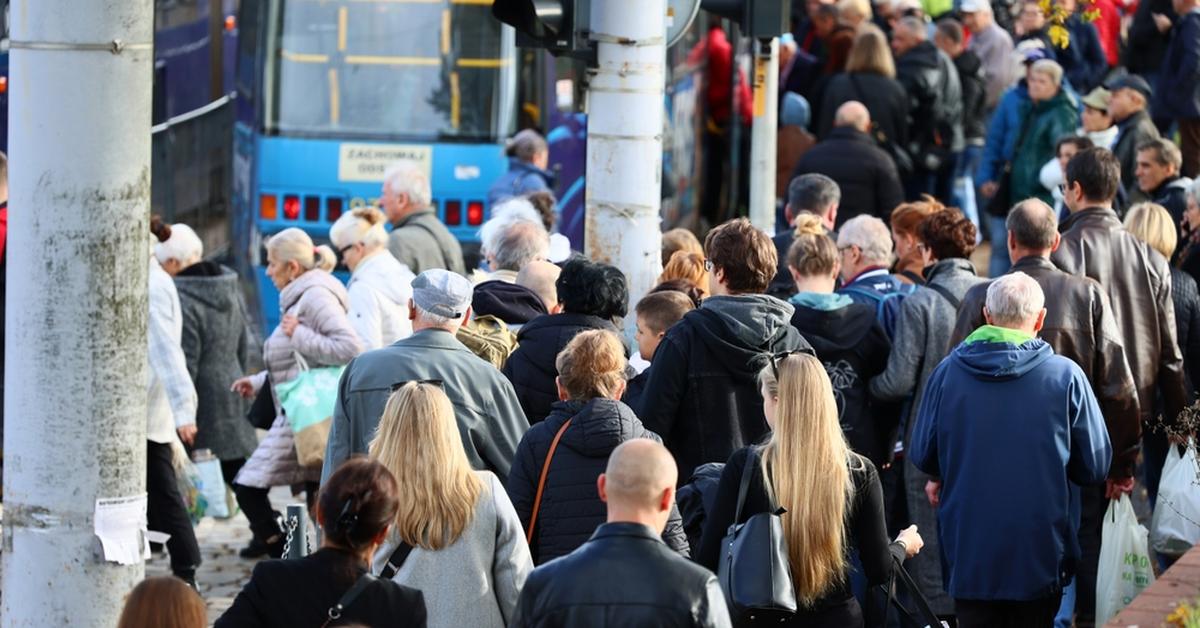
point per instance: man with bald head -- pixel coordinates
(625, 575)
(540, 277)
(866, 175)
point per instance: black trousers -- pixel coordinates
(166, 512)
(1007, 614)
(264, 520)
(1092, 505)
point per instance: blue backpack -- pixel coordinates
(887, 304)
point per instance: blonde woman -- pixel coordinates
(1151, 223)
(468, 553)
(314, 326)
(380, 286)
(832, 496)
(870, 78)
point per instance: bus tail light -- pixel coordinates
(453, 213)
(268, 207)
(291, 207)
(475, 213)
(333, 209)
(312, 208)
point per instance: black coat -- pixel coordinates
(883, 97)
(531, 367)
(974, 95)
(1146, 47)
(1083, 60)
(298, 593)
(854, 348)
(703, 396)
(1172, 195)
(1178, 92)
(1186, 297)
(571, 509)
(934, 100)
(513, 304)
(866, 175)
(623, 576)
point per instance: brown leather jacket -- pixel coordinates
(1079, 326)
(1138, 282)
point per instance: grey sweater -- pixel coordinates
(476, 580)
(923, 335)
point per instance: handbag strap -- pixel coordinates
(301, 363)
(946, 294)
(924, 615)
(335, 611)
(537, 499)
(396, 561)
(751, 461)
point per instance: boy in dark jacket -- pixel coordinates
(702, 395)
(656, 313)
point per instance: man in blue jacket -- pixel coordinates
(1009, 474)
(1179, 82)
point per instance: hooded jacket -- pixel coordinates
(522, 178)
(513, 304)
(571, 509)
(1007, 475)
(531, 367)
(852, 345)
(379, 292)
(935, 100)
(702, 396)
(1079, 326)
(216, 345)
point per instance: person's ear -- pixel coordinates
(837, 270)
(1041, 320)
(466, 316)
(557, 308)
(619, 390)
(667, 499)
(788, 215)
(412, 310)
(601, 488)
(563, 395)
(796, 276)
(1057, 241)
(987, 316)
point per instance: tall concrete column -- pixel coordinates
(763, 134)
(624, 148)
(78, 246)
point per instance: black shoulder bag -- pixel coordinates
(336, 611)
(396, 561)
(920, 617)
(262, 412)
(899, 155)
(755, 573)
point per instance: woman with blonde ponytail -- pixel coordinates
(314, 327)
(380, 286)
(832, 496)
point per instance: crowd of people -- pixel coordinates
(499, 454)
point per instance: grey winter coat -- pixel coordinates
(324, 337)
(420, 241)
(216, 343)
(476, 580)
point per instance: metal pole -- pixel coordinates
(296, 524)
(763, 134)
(624, 148)
(78, 257)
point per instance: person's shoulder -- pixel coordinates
(404, 601)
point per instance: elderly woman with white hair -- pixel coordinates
(380, 286)
(216, 345)
(314, 327)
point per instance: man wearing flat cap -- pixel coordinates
(489, 417)
(1130, 108)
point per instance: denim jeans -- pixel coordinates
(965, 167)
(1066, 611)
(999, 264)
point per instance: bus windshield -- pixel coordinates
(440, 70)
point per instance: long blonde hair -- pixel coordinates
(807, 466)
(418, 441)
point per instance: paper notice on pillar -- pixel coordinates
(121, 525)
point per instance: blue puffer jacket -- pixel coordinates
(1007, 471)
(522, 178)
(1178, 93)
(1002, 133)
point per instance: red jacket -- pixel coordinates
(717, 77)
(1109, 27)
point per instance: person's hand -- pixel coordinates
(989, 188)
(933, 491)
(288, 324)
(1161, 22)
(912, 541)
(244, 387)
(187, 434)
(1113, 489)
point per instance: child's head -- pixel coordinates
(656, 312)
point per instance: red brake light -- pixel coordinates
(291, 207)
(333, 209)
(453, 212)
(312, 208)
(475, 213)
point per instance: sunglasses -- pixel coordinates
(779, 357)
(432, 382)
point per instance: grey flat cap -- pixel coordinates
(442, 293)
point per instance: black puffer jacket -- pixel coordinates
(531, 367)
(854, 348)
(571, 509)
(935, 100)
(1186, 297)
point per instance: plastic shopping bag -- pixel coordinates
(308, 402)
(1175, 527)
(212, 483)
(188, 478)
(1125, 567)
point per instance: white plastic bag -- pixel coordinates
(1125, 567)
(212, 486)
(1175, 527)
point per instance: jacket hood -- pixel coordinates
(209, 283)
(387, 276)
(513, 304)
(744, 329)
(315, 278)
(989, 360)
(597, 425)
(923, 55)
(833, 331)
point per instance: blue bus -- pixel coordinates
(329, 93)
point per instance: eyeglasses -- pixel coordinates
(779, 357)
(342, 251)
(843, 249)
(708, 266)
(432, 382)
